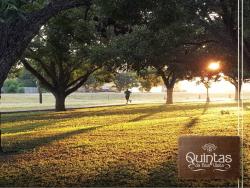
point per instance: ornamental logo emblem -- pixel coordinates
(209, 157)
(219, 162)
(209, 147)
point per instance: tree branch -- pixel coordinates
(201, 42)
(43, 65)
(163, 76)
(20, 32)
(74, 85)
(37, 75)
(173, 80)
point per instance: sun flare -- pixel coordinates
(214, 65)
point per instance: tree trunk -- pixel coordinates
(170, 95)
(208, 98)
(60, 102)
(237, 92)
(15, 36)
(1, 149)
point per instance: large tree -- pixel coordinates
(165, 49)
(64, 54)
(233, 74)
(221, 19)
(20, 21)
(160, 39)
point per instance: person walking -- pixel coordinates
(127, 96)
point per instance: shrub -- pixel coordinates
(12, 86)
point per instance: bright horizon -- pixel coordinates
(221, 86)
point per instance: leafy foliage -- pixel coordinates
(12, 86)
(26, 78)
(125, 80)
(148, 79)
(12, 9)
(97, 79)
(65, 53)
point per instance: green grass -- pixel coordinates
(14, 102)
(133, 145)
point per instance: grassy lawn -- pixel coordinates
(133, 145)
(13, 102)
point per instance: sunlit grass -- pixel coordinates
(21, 101)
(133, 145)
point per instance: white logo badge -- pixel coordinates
(209, 159)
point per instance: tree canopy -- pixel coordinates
(21, 20)
(64, 54)
(172, 37)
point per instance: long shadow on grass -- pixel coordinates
(104, 111)
(149, 113)
(195, 120)
(25, 127)
(28, 145)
